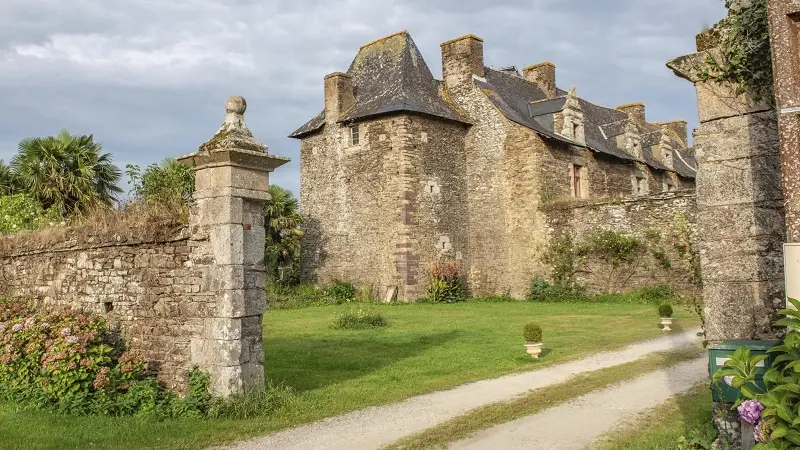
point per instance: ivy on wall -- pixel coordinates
(746, 57)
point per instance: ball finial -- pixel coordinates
(236, 105)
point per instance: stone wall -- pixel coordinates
(784, 20)
(659, 214)
(380, 213)
(193, 296)
(146, 288)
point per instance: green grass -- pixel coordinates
(687, 415)
(425, 348)
(488, 416)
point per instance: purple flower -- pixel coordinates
(750, 411)
(17, 327)
(66, 331)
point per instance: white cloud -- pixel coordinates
(149, 77)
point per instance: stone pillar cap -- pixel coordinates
(233, 143)
(234, 134)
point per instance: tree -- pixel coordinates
(282, 221)
(66, 172)
(8, 181)
(168, 183)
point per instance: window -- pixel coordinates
(354, 135)
(578, 176)
(640, 185)
(668, 185)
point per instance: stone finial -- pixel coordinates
(234, 134)
(573, 118)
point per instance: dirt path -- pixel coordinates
(373, 427)
(576, 424)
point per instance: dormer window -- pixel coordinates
(354, 135)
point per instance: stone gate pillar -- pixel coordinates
(231, 187)
(740, 215)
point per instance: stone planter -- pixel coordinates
(666, 322)
(534, 349)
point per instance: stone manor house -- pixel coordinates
(400, 170)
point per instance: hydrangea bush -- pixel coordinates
(71, 362)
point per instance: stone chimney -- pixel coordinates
(635, 111)
(680, 127)
(339, 95)
(543, 75)
(461, 59)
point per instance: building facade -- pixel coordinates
(401, 171)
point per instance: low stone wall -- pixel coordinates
(654, 216)
(148, 288)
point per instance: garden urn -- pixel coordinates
(534, 349)
(666, 322)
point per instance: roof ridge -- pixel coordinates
(376, 41)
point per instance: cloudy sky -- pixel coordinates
(149, 78)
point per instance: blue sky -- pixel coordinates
(149, 78)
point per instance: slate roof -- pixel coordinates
(311, 126)
(523, 102)
(512, 95)
(685, 164)
(390, 75)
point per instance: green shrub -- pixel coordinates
(359, 319)
(532, 332)
(168, 183)
(23, 212)
(539, 288)
(445, 284)
(341, 291)
(665, 310)
(657, 293)
(71, 362)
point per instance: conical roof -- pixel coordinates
(390, 75)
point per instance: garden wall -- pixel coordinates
(659, 221)
(148, 286)
(183, 295)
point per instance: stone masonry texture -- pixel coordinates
(193, 296)
(151, 290)
(456, 175)
(740, 210)
(784, 19)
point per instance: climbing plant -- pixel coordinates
(746, 57)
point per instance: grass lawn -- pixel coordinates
(687, 415)
(424, 348)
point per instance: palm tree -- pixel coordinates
(282, 221)
(8, 181)
(66, 172)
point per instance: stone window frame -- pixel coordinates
(668, 184)
(640, 183)
(578, 180)
(354, 135)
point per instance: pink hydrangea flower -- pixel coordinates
(750, 411)
(16, 327)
